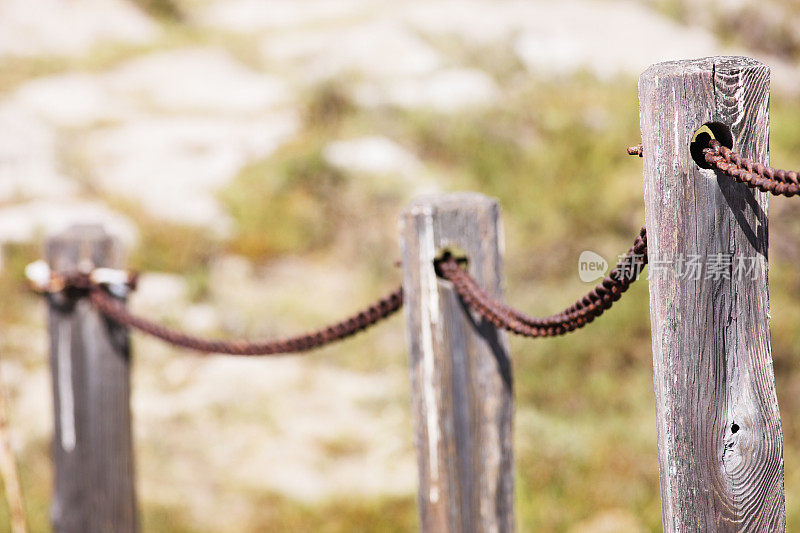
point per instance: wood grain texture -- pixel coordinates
(720, 444)
(90, 363)
(461, 383)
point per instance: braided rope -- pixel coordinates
(116, 311)
(582, 312)
(743, 170)
(755, 175)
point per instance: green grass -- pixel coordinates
(163, 9)
(17, 300)
(173, 247)
(35, 470)
(386, 515)
(327, 106)
(285, 204)
(295, 202)
(767, 27)
(282, 515)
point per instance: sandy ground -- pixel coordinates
(172, 126)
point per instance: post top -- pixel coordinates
(82, 231)
(86, 246)
(703, 64)
(445, 202)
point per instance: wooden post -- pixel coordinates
(720, 445)
(90, 364)
(460, 370)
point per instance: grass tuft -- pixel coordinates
(285, 204)
(163, 9)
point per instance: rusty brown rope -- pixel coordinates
(583, 311)
(755, 175)
(116, 311)
(635, 150)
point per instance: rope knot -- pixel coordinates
(42, 279)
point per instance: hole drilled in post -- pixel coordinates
(734, 428)
(706, 132)
(449, 252)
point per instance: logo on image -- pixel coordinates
(591, 266)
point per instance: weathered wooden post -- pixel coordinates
(90, 364)
(460, 369)
(720, 445)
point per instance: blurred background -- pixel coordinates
(254, 156)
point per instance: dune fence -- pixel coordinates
(704, 146)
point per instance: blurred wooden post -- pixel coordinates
(720, 445)
(460, 370)
(90, 364)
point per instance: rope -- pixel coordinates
(583, 311)
(99, 282)
(755, 175)
(116, 311)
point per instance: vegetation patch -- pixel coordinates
(287, 203)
